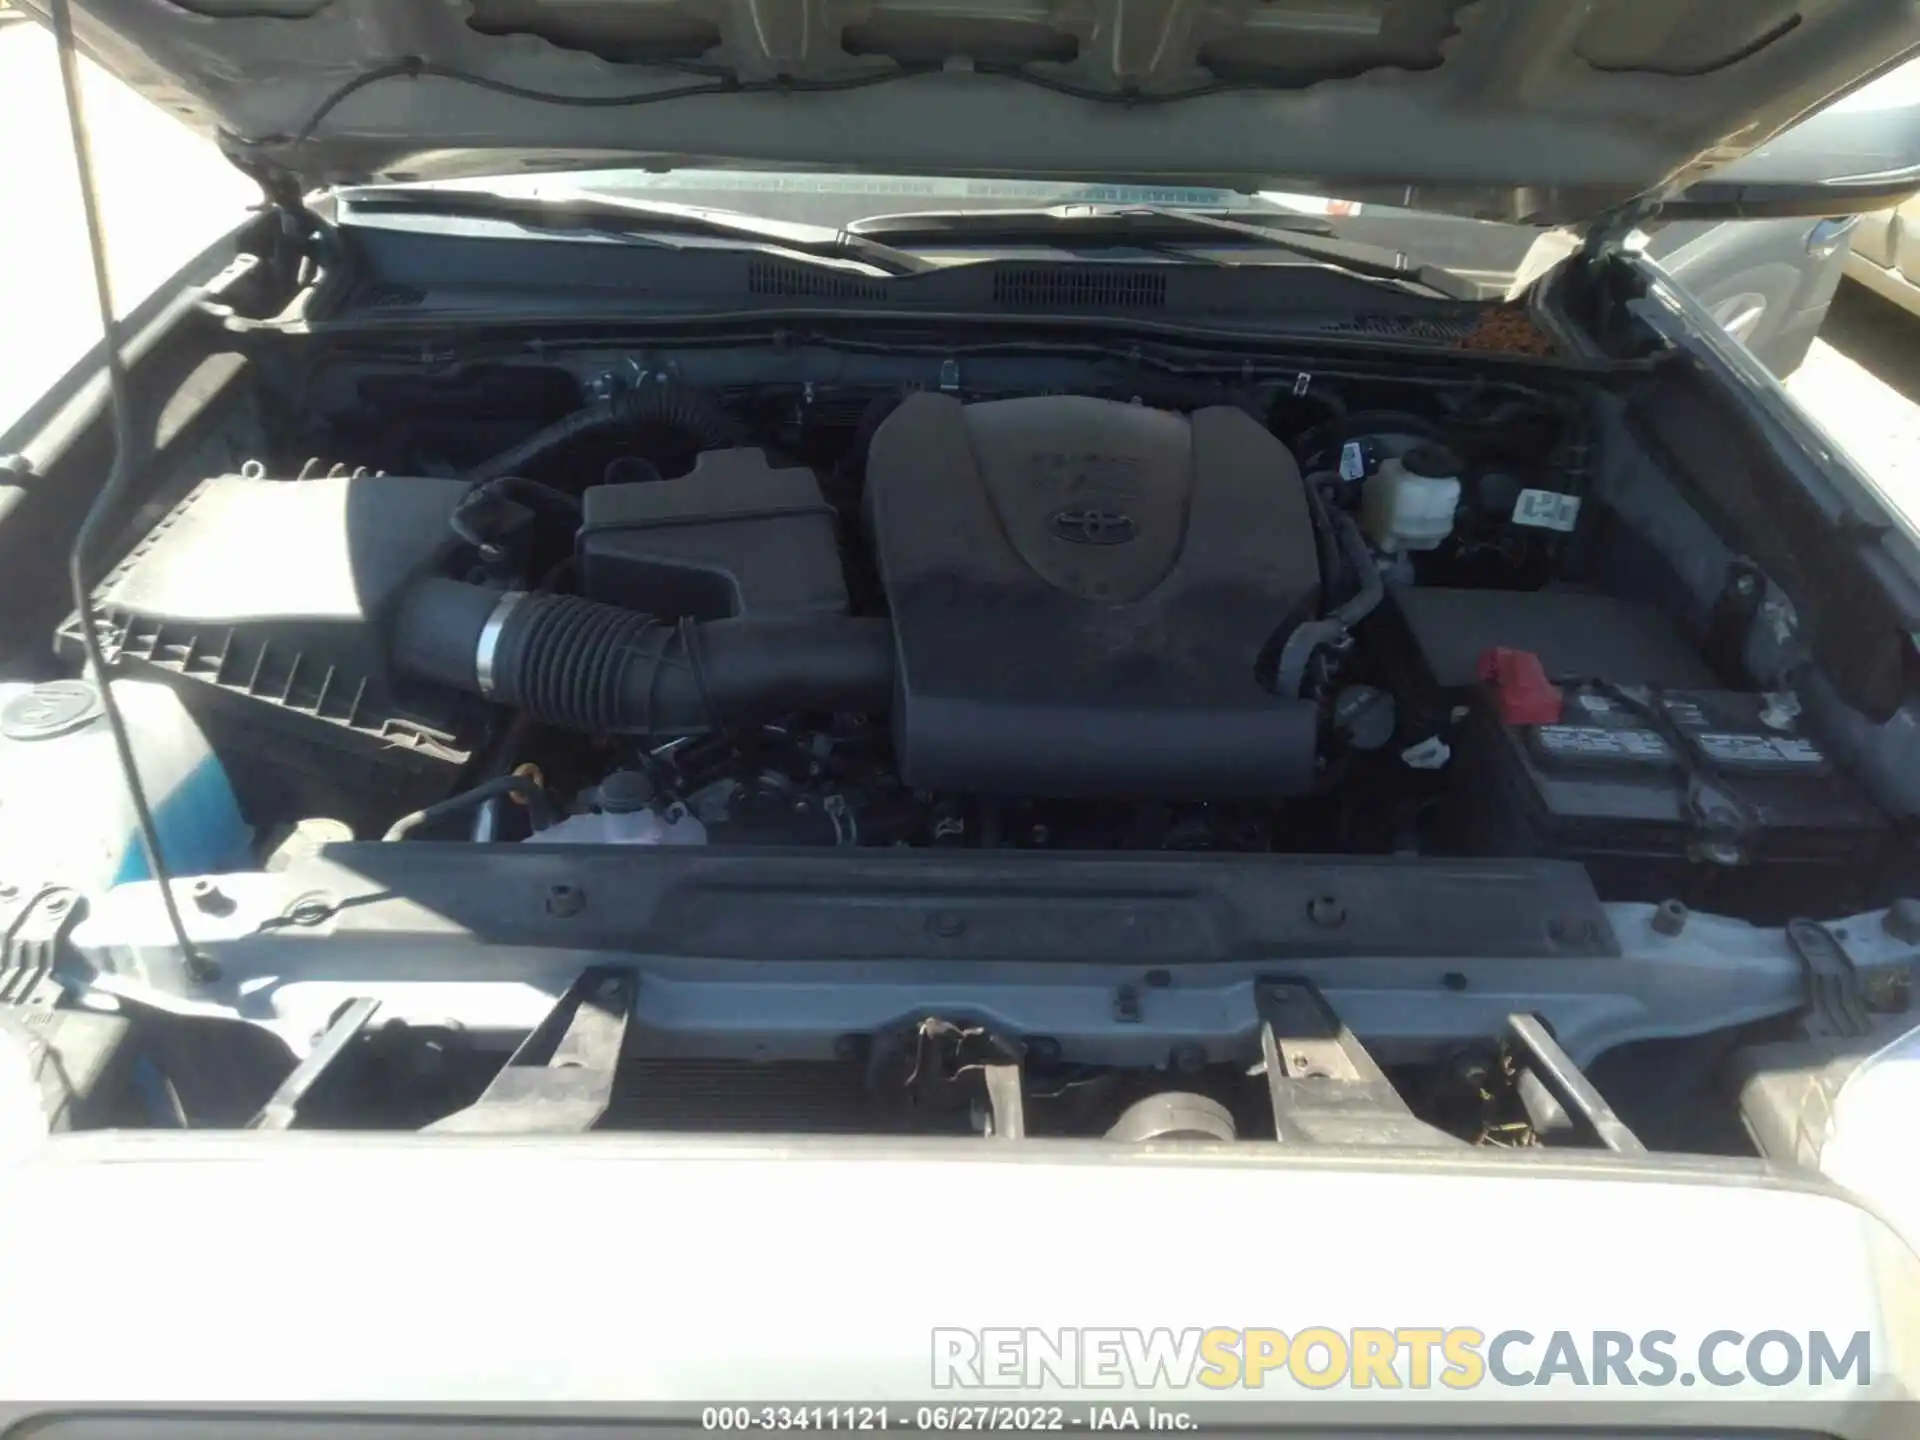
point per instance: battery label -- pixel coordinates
(1688, 715)
(1599, 743)
(1547, 510)
(1761, 752)
(1353, 461)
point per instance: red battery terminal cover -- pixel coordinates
(1521, 688)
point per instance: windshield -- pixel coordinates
(840, 199)
(1480, 251)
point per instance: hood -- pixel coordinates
(1546, 111)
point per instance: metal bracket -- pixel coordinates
(1326, 1088)
(943, 1064)
(1005, 1105)
(1736, 611)
(1564, 1084)
(1307, 639)
(1612, 233)
(1836, 1000)
(560, 1080)
(35, 932)
(283, 1109)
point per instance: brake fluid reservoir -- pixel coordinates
(65, 815)
(638, 827)
(1409, 502)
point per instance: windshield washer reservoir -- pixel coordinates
(65, 815)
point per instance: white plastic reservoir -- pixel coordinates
(1410, 501)
(640, 827)
(65, 816)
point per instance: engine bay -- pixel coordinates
(1350, 716)
(919, 619)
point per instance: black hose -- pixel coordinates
(1373, 590)
(535, 798)
(544, 500)
(1325, 542)
(704, 425)
(599, 670)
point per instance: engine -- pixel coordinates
(1083, 594)
(1005, 621)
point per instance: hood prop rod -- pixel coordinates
(107, 501)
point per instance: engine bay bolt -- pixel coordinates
(1670, 918)
(1888, 992)
(564, 900)
(1471, 1071)
(1159, 979)
(1572, 930)
(1189, 1058)
(210, 899)
(310, 910)
(1902, 921)
(946, 925)
(1327, 912)
(1453, 980)
(1039, 835)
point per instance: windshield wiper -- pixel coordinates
(1090, 225)
(551, 209)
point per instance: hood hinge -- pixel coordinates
(280, 188)
(300, 232)
(1612, 233)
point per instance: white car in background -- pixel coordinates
(1885, 256)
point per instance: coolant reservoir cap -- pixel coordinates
(1431, 462)
(625, 792)
(58, 707)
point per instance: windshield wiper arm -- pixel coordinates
(1303, 235)
(586, 210)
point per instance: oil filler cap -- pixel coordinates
(56, 708)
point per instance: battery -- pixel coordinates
(1716, 798)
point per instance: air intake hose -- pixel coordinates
(704, 425)
(600, 670)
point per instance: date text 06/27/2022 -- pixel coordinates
(958, 1417)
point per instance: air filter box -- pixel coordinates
(263, 602)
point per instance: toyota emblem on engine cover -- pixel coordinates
(1092, 527)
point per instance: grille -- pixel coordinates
(772, 278)
(1108, 288)
(796, 1097)
(1425, 329)
(392, 297)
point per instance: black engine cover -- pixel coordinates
(1083, 593)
